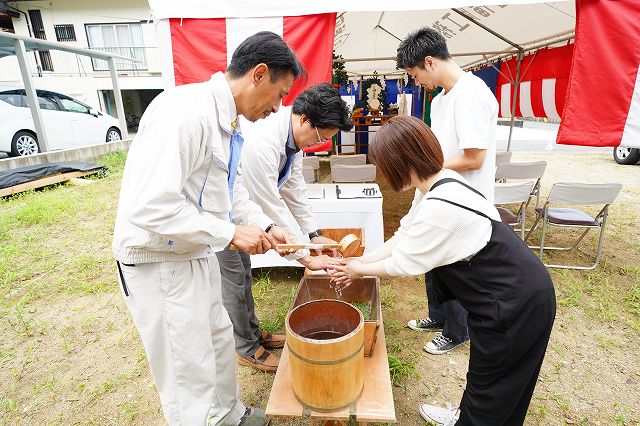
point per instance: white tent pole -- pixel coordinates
(118, 97)
(21, 53)
(515, 98)
(484, 27)
(499, 72)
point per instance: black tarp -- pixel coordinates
(26, 174)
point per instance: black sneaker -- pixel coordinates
(426, 324)
(441, 344)
(254, 417)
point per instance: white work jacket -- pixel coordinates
(262, 158)
(174, 202)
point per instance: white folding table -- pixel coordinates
(343, 205)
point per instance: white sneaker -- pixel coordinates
(440, 345)
(439, 416)
(425, 324)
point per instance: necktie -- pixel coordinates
(234, 157)
(284, 173)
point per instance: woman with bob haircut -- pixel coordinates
(453, 231)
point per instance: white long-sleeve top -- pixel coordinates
(262, 158)
(435, 233)
(174, 201)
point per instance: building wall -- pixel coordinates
(74, 75)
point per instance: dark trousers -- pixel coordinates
(451, 313)
(237, 298)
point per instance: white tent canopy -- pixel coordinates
(373, 29)
(506, 29)
(163, 9)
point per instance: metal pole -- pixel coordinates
(484, 27)
(21, 53)
(515, 97)
(118, 97)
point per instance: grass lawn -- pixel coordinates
(69, 353)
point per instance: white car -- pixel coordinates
(68, 122)
(624, 155)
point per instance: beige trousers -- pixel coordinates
(188, 337)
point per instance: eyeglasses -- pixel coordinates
(320, 140)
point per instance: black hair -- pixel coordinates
(324, 108)
(420, 44)
(267, 48)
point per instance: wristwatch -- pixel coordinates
(268, 228)
(316, 233)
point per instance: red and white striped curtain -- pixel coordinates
(544, 76)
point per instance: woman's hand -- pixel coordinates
(347, 270)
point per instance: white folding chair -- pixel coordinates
(503, 157)
(350, 174)
(523, 171)
(309, 174)
(575, 194)
(513, 193)
(348, 160)
(314, 163)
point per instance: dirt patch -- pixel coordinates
(74, 356)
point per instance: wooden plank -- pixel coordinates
(370, 329)
(375, 404)
(45, 181)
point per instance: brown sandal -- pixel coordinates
(262, 360)
(272, 341)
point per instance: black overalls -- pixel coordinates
(511, 302)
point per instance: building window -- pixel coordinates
(119, 39)
(6, 24)
(65, 32)
(35, 17)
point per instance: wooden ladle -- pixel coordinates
(347, 246)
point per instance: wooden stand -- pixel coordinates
(45, 181)
(375, 404)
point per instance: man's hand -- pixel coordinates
(318, 263)
(324, 240)
(251, 239)
(471, 159)
(280, 235)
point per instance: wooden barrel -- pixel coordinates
(326, 354)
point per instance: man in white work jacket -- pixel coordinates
(175, 212)
(271, 171)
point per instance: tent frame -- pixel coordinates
(19, 45)
(518, 50)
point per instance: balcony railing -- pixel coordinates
(138, 53)
(69, 64)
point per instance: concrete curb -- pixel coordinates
(85, 153)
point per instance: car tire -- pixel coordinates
(627, 156)
(23, 144)
(113, 134)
